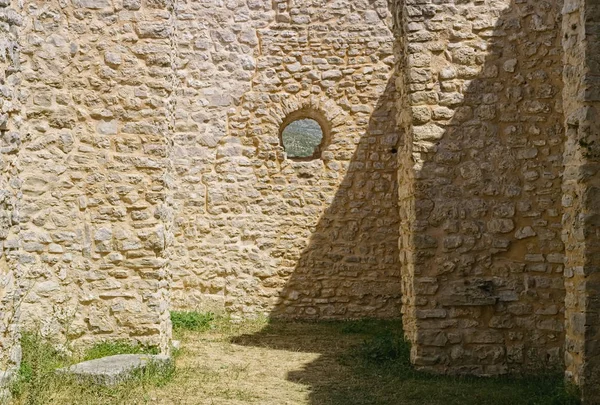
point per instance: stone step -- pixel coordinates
(112, 370)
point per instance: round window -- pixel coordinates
(302, 139)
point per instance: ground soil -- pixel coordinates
(264, 362)
(325, 363)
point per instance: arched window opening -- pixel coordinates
(302, 138)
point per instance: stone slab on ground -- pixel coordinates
(112, 370)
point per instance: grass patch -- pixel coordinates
(384, 356)
(367, 362)
(272, 363)
(36, 372)
(192, 321)
(109, 348)
(38, 383)
(386, 350)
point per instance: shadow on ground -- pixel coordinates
(489, 151)
(501, 144)
(367, 362)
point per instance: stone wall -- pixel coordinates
(132, 109)
(480, 207)
(10, 122)
(257, 232)
(97, 79)
(217, 45)
(140, 140)
(581, 195)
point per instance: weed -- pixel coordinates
(38, 382)
(108, 348)
(192, 321)
(38, 363)
(384, 350)
(154, 375)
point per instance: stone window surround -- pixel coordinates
(328, 114)
(307, 115)
(312, 114)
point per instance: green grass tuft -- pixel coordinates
(39, 360)
(192, 321)
(384, 350)
(38, 383)
(108, 348)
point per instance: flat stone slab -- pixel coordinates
(112, 370)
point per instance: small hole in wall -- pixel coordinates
(393, 150)
(302, 138)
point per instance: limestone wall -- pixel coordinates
(217, 44)
(134, 110)
(480, 208)
(141, 158)
(257, 232)
(10, 122)
(97, 79)
(581, 188)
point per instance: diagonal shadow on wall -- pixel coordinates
(350, 266)
(488, 143)
(490, 182)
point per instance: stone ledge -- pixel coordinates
(112, 370)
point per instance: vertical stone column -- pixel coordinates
(97, 79)
(10, 354)
(581, 194)
(406, 174)
(480, 184)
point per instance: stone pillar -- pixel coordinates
(10, 353)
(581, 194)
(97, 80)
(479, 184)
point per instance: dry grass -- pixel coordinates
(277, 363)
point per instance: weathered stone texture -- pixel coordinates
(141, 155)
(257, 232)
(581, 196)
(112, 370)
(10, 293)
(216, 48)
(134, 108)
(97, 79)
(480, 207)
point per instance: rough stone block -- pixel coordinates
(112, 370)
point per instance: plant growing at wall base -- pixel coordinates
(38, 383)
(192, 321)
(36, 372)
(108, 348)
